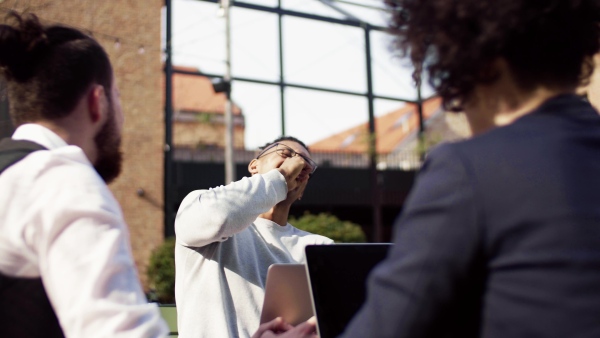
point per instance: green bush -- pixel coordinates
(161, 271)
(330, 226)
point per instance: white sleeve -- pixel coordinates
(86, 263)
(207, 216)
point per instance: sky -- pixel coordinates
(315, 53)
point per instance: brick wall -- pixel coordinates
(197, 135)
(138, 73)
(449, 127)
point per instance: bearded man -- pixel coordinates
(65, 260)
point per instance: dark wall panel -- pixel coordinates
(344, 192)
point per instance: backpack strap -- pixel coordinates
(12, 151)
(25, 310)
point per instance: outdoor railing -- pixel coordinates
(405, 160)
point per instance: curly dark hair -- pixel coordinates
(455, 42)
(48, 68)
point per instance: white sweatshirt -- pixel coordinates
(223, 251)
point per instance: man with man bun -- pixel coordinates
(66, 267)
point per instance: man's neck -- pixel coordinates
(278, 214)
(74, 132)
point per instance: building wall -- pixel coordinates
(197, 135)
(450, 127)
(136, 23)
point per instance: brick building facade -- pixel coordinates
(198, 114)
(130, 31)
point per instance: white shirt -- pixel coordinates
(59, 221)
(223, 252)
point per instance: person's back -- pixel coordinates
(513, 216)
(65, 261)
(538, 198)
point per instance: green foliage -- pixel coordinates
(330, 226)
(161, 271)
(204, 117)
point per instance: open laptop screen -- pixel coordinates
(338, 275)
(287, 294)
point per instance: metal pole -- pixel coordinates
(168, 160)
(229, 164)
(420, 110)
(281, 78)
(377, 228)
(421, 134)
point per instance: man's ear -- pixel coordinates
(97, 104)
(253, 167)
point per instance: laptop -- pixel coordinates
(287, 294)
(337, 278)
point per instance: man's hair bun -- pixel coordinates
(21, 44)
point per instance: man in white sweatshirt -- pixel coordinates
(227, 237)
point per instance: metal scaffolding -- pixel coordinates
(348, 20)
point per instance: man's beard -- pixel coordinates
(109, 156)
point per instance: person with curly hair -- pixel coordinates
(66, 267)
(500, 236)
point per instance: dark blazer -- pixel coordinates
(500, 236)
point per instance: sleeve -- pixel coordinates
(417, 290)
(207, 216)
(85, 259)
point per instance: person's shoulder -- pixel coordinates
(311, 237)
(190, 199)
(195, 193)
(69, 165)
(488, 146)
(68, 162)
(468, 145)
(324, 240)
(445, 154)
(62, 182)
(66, 173)
(534, 126)
(319, 239)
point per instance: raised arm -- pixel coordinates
(207, 216)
